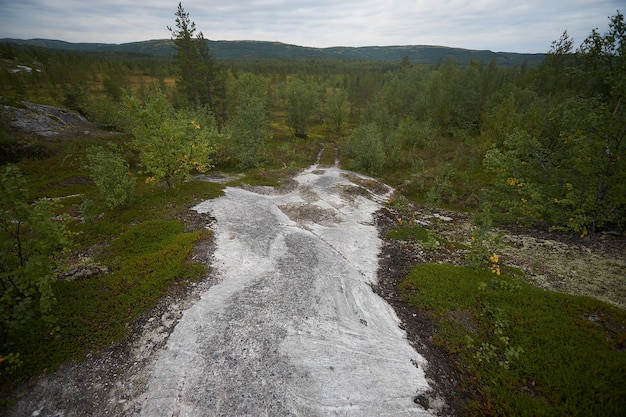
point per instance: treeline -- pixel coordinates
(530, 145)
(546, 145)
(68, 78)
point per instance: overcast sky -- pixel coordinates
(497, 25)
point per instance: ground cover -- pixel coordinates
(496, 342)
(122, 262)
(528, 351)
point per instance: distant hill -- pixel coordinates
(261, 50)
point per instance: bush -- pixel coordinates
(105, 112)
(367, 145)
(110, 173)
(172, 143)
(31, 240)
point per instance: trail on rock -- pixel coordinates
(293, 327)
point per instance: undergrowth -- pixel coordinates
(524, 351)
(416, 233)
(95, 313)
(145, 245)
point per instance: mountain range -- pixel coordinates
(262, 50)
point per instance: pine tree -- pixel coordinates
(194, 60)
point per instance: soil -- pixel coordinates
(396, 259)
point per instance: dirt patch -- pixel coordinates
(307, 213)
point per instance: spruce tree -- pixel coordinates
(194, 60)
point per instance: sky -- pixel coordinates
(524, 26)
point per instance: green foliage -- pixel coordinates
(172, 144)
(366, 143)
(572, 179)
(302, 103)
(75, 96)
(442, 186)
(9, 364)
(525, 351)
(336, 110)
(104, 111)
(248, 122)
(561, 163)
(605, 59)
(31, 242)
(402, 205)
(194, 61)
(498, 349)
(485, 243)
(111, 175)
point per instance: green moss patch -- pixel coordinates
(526, 351)
(94, 313)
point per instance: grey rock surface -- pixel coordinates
(293, 328)
(43, 120)
(287, 323)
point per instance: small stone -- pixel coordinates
(422, 400)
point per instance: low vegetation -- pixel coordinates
(524, 351)
(116, 264)
(94, 221)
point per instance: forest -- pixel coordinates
(532, 147)
(541, 146)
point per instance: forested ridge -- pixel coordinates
(530, 145)
(245, 50)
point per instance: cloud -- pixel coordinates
(500, 25)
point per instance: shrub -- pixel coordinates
(110, 173)
(31, 240)
(367, 145)
(172, 143)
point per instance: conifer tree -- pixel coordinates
(194, 60)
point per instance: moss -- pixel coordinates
(414, 232)
(94, 313)
(527, 351)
